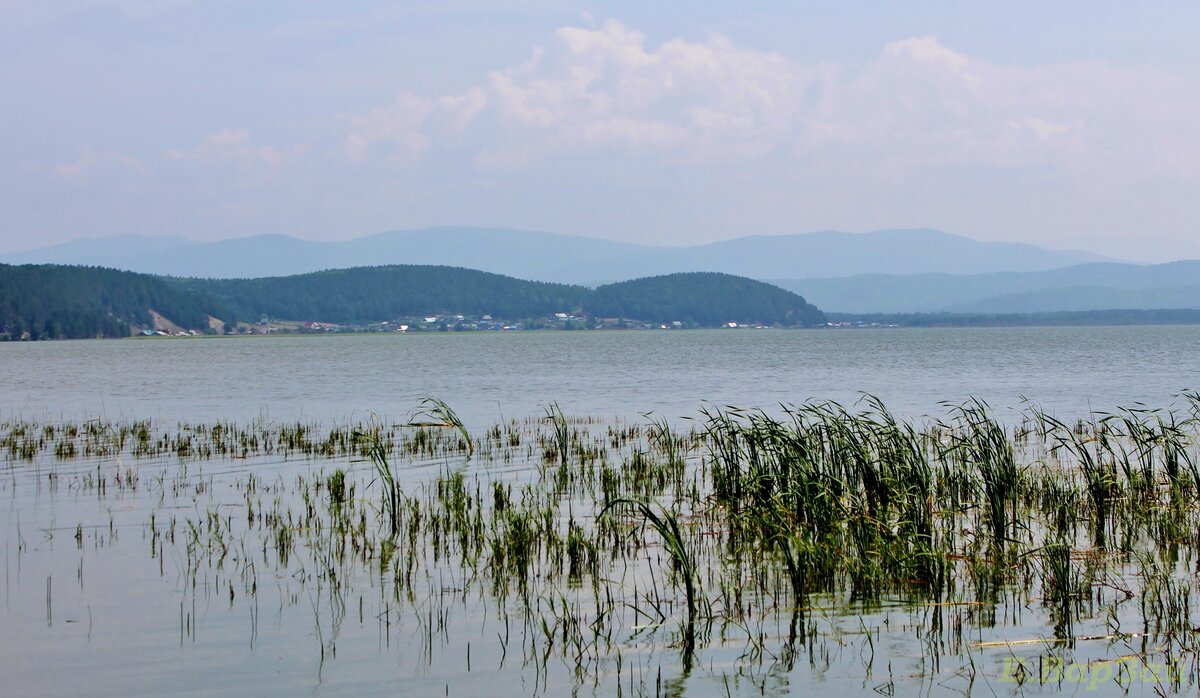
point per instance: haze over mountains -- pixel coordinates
(562, 258)
(1098, 286)
(888, 271)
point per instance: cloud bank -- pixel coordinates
(602, 131)
(918, 104)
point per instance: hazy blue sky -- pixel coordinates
(1068, 124)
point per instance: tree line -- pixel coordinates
(55, 302)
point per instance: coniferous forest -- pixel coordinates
(64, 302)
(70, 302)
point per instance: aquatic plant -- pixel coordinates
(392, 497)
(440, 415)
(666, 524)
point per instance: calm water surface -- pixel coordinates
(484, 376)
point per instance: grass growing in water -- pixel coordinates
(440, 415)
(937, 537)
(666, 524)
(392, 497)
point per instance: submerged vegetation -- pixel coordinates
(741, 551)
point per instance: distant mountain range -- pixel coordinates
(887, 271)
(563, 258)
(1082, 287)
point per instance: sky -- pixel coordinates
(1073, 124)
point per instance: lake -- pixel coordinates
(204, 516)
(483, 376)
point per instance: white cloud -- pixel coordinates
(400, 125)
(75, 168)
(231, 145)
(459, 110)
(928, 50)
(602, 88)
(90, 160)
(1041, 128)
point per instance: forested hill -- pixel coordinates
(705, 299)
(55, 302)
(48, 302)
(372, 294)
